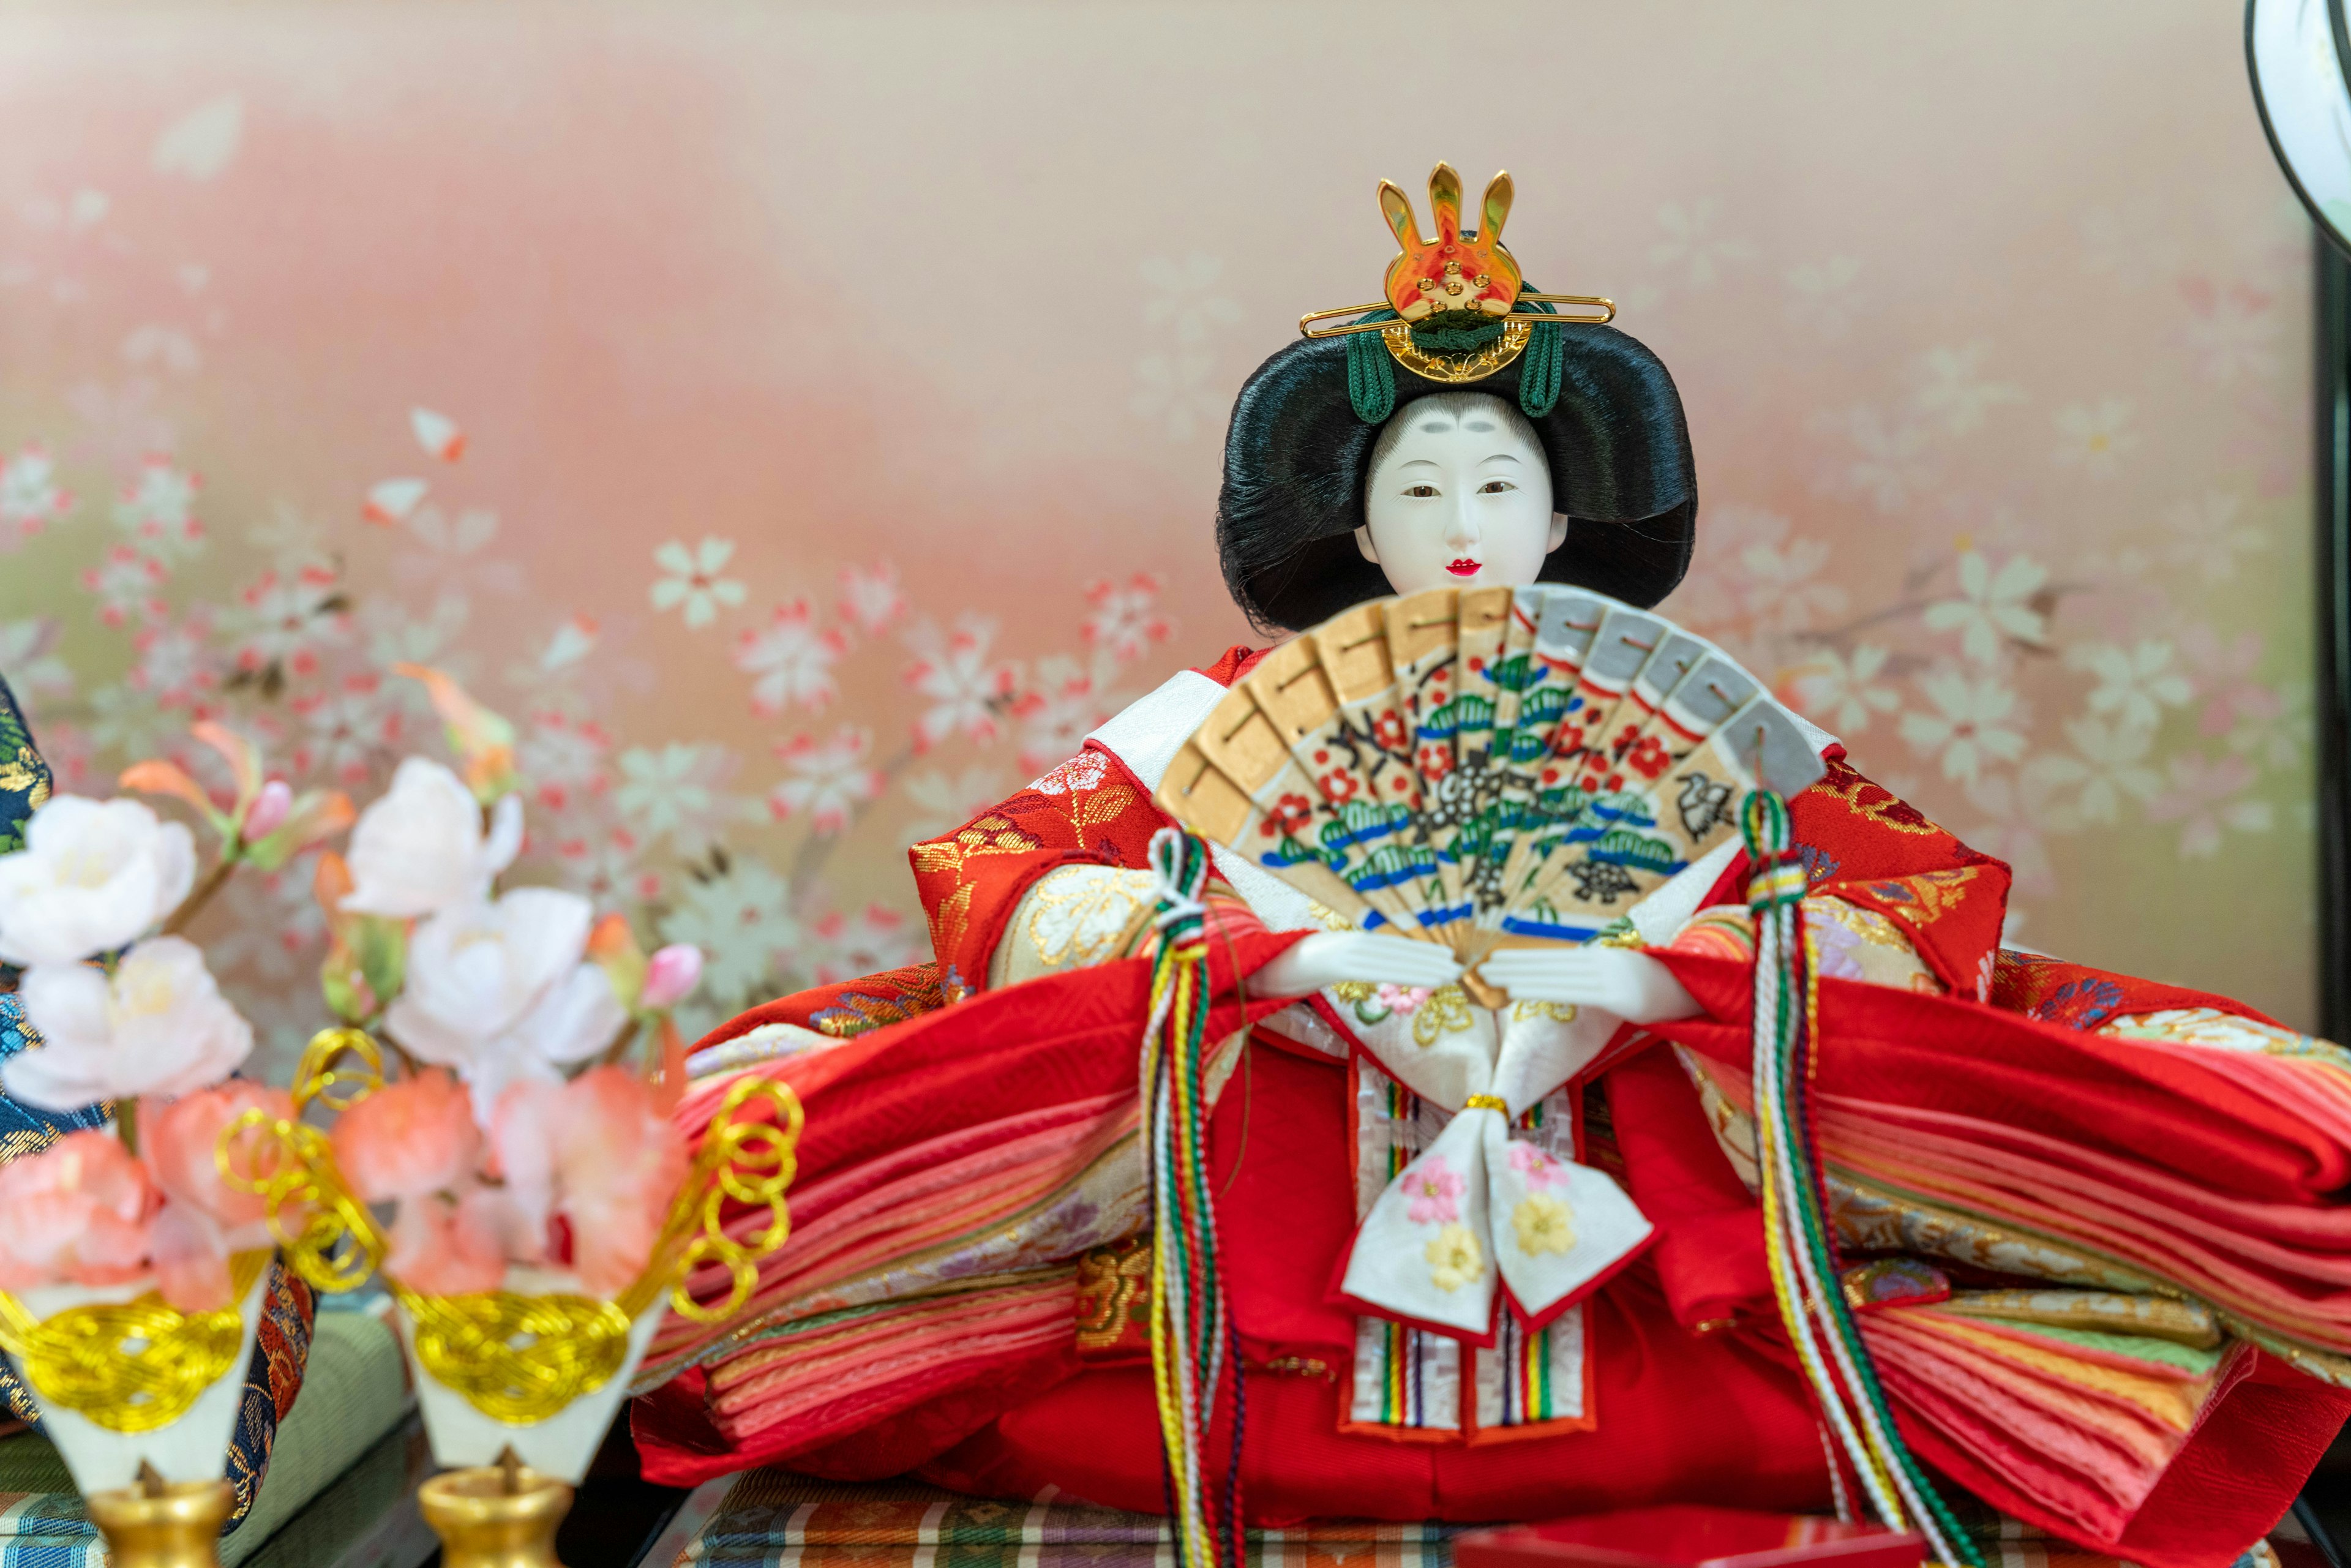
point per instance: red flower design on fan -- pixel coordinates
(1435, 760)
(1289, 816)
(1649, 757)
(1388, 730)
(1339, 786)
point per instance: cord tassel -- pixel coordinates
(1195, 1364)
(1798, 1240)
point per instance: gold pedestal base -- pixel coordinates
(174, 1524)
(495, 1516)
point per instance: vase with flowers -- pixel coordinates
(488, 1130)
(133, 1275)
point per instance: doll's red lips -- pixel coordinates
(1465, 566)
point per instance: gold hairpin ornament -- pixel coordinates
(1458, 279)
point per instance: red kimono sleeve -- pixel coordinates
(1089, 810)
(1863, 843)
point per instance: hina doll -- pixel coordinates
(2086, 1219)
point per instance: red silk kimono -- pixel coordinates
(1691, 1392)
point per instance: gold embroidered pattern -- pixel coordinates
(1926, 898)
(1446, 1011)
(1558, 1012)
(1113, 1295)
(1873, 802)
(1082, 916)
(18, 776)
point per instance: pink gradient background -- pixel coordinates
(968, 288)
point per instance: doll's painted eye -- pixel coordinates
(1495, 487)
(1422, 492)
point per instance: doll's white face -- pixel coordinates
(1459, 497)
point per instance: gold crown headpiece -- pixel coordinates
(1461, 282)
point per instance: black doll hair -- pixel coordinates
(1298, 455)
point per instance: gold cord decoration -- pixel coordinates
(129, 1366)
(328, 1235)
(319, 1074)
(518, 1359)
(749, 1161)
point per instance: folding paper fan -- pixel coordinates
(1486, 766)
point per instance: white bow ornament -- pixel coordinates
(1479, 1208)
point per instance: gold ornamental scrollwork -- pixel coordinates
(129, 1366)
(1454, 369)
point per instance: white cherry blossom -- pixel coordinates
(1952, 391)
(2206, 798)
(2135, 685)
(501, 992)
(1993, 605)
(1058, 710)
(158, 1025)
(677, 791)
(829, 780)
(872, 599)
(1975, 720)
(2094, 437)
(690, 580)
(1840, 691)
(157, 510)
(1123, 619)
(30, 496)
(2107, 767)
(967, 688)
(92, 876)
(743, 921)
(420, 848)
(791, 658)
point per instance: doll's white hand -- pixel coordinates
(1328, 957)
(1633, 986)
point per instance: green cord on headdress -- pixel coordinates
(1371, 369)
(1371, 373)
(1543, 364)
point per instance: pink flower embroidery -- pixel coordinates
(1402, 1000)
(1434, 1189)
(1539, 1168)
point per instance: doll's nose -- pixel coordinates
(1460, 527)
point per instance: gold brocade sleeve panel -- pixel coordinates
(1074, 917)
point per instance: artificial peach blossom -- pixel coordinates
(619, 1161)
(440, 1248)
(191, 1261)
(75, 1213)
(181, 1140)
(598, 1153)
(671, 976)
(268, 812)
(409, 1139)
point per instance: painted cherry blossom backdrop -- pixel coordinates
(805, 420)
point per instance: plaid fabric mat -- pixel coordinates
(770, 1519)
